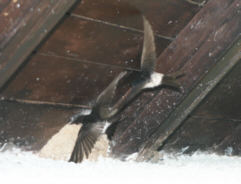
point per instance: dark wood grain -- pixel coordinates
(54, 79)
(24, 25)
(73, 66)
(98, 43)
(14, 15)
(230, 145)
(80, 62)
(167, 17)
(82, 56)
(200, 134)
(31, 126)
(195, 51)
(215, 124)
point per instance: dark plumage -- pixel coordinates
(94, 123)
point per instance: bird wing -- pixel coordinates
(87, 137)
(148, 57)
(104, 100)
(127, 98)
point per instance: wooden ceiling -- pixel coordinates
(69, 58)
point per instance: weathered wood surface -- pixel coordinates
(167, 17)
(13, 15)
(215, 124)
(80, 58)
(196, 49)
(31, 126)
(90, 47)
(101, 38)
(23, 25)
(194, 98)
(91, 42)
(53, 79)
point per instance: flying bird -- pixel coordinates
(94, 124)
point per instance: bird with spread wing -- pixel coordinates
(94, 124)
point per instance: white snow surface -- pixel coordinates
(25, 167)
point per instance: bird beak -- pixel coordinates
(170, 80)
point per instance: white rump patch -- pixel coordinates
(156, 80)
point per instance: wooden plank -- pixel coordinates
(230, 145)
(215, 124)
(167, 17)
(195, 51)
(93, 42)
(177, 117)
(3, 4)
(31, 28)
(12, 16)
(31, 126)
(53, 79)
(205, 135)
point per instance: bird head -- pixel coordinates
(82, 117)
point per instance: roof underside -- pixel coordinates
(97, 39)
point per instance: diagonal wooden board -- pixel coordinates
(39, 18)
(197, 48)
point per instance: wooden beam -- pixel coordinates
(196, 50)
(206, 85)
(35, 19)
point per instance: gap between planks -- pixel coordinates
(220, 118)
(36, 102)
(119, 26)
(86, 61)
